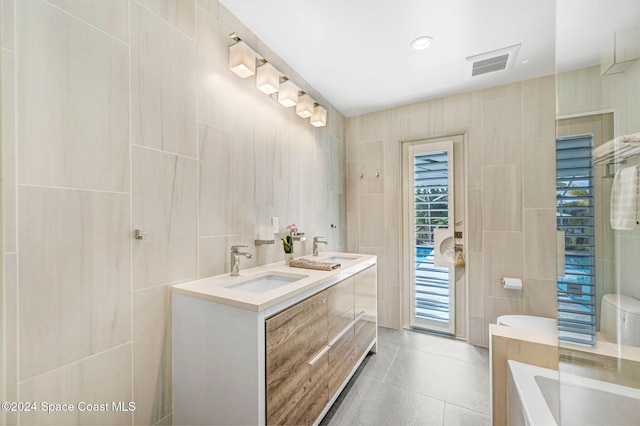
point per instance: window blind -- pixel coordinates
(431, 194)
(575, 216)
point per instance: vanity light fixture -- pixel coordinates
(267, 78)
(319, 117)
(288, 93)
(305, 105)
(242, 59)
(421, 42)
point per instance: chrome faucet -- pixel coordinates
(316, 241)
(235, 259)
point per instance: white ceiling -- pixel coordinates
(356, 52)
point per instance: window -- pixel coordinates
(575, 216)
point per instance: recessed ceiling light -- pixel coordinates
(421, 42)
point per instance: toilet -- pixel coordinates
(620, 313)
(529, 322)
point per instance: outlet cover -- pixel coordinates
(275, 222)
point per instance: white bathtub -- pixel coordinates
(534, 393)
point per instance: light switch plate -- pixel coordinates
(275, 222)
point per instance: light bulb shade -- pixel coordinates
(288, 94)
(242, 59)
(319, 117)
(267, 78)
(304, 108)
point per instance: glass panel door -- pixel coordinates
(430, 230)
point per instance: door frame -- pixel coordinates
(461, 297)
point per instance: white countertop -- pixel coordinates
(215, 288)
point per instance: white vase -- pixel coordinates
(288, 257)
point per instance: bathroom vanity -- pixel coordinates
(275, 345)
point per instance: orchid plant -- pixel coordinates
(287, 242)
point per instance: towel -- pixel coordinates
(314, 264)
(624, 198)
(618, 147)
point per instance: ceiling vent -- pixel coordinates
(496, 60)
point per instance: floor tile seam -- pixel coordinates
(447, 401)
(446, 356)
(468, 409)
(395, 356)
(431, 397)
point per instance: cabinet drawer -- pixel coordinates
(341, 306)
(366, 292)
(365, 308)
(342, 359)
(293, 338)
(365, 331)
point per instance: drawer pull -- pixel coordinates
(347, 328)
(319, 355)
(335, 339)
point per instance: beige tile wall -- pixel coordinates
(128, 118)
(510, 189)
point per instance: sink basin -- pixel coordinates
(339, 259)
(267, 282)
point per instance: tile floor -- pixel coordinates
(417, 378)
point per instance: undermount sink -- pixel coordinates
(266, 282)
(339, 259)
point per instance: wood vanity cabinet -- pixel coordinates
(313, 346)
(284, 363)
